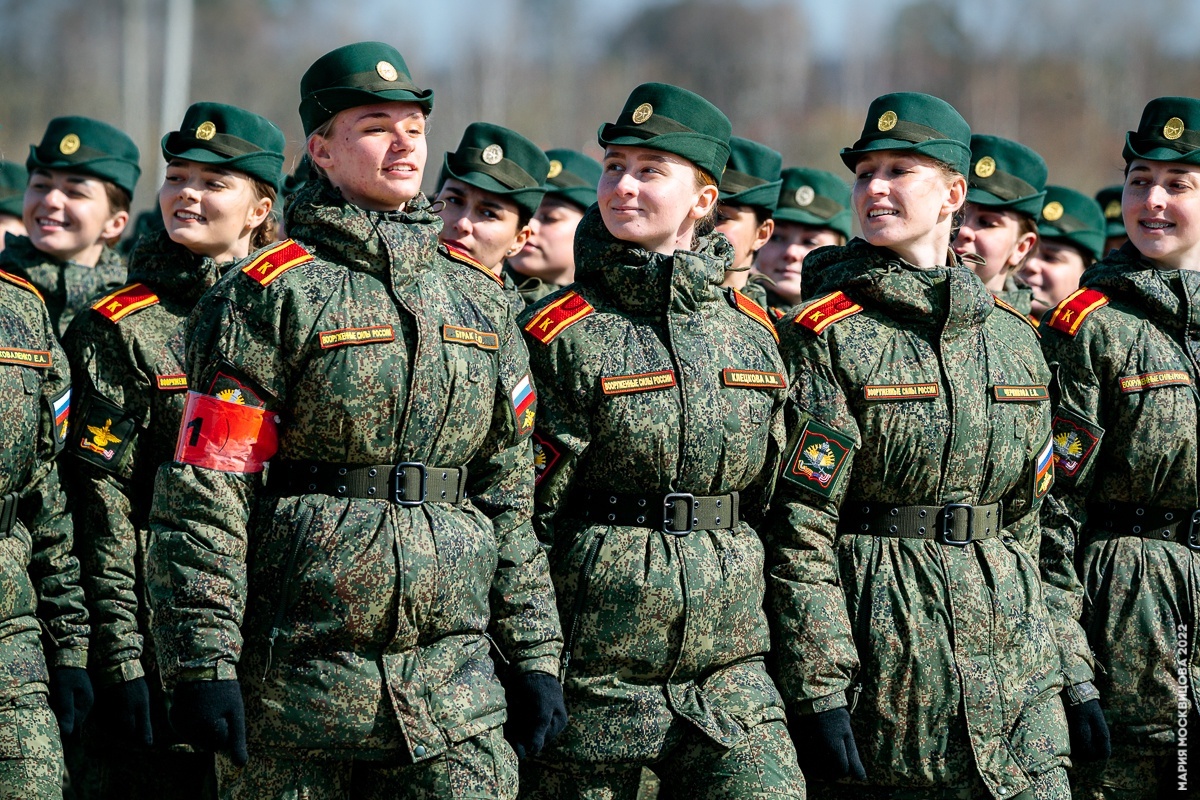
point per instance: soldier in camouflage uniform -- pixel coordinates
(999, 228)
(749, 192)
(331, 632)
(40, 576)
(1123, 350)
(911, 626)
(656, 447)
(81, 179)
(127, 358)
(1109, 199)
(547, 261)
(13, 178)
(1070, 239)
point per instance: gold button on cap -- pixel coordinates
(642, 113)
(985, 167)
(555, 169)
(805, 195)
(1053, 211)
(887, 120)
(69, 144)
(386, 71)
(206, 130)
(493, 154)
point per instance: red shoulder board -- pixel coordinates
(24, 284)
(755, 312)
(558, 316)
(826, 311)
(463, 258)
(276, 260)
(1017, 313)
(124, 301)
(1071, 312)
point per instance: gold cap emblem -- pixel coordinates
(1113, 210)
(493, 154)
(887, 120)
(1173, 129)
(555, 169)
(386, 71)
(642, 113)
(206, 130)
(805, 195)
(69, 144)
(985, 167)
(1053, 211)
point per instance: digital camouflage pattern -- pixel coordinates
(946, 655)
(67, 288)
(530, 288)
(515, 296)
(386, 615)
(30, 751)
(666, 633)
(1017, 295)
(759, 289)
(1123, 436)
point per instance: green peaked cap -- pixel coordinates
(1006, 175)
(88, 147)
(356, 75)
(572, 176)
(1168, 131)
(752, 175)
(1072, 217)
(918, 122)
(13, 178)
(665, 117)
(500, 161)
(228, 136)
(1109, 199)
(814, 197)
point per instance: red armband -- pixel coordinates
(228, 437)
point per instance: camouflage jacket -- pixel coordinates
(40, 575)
(1125, 427)
(912, 387)
(67, 288)
(642, 395)
(127, 361)
(1017, 295)
(357, 625)
(761, 290)
(529, 288)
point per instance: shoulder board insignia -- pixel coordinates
(826, 311)
(124, 301)
(1071, 312)
(1015, 312)
(24, 284)
(462, 258)
(558, 316)
(276, 260)
(755, 312)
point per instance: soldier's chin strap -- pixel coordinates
(226, 436)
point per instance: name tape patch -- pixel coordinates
(348, 336)
(752, 379)
(1152, 380)
(39, 359)
(644, 382)
(1019, 394)
(902, 391)
(470, 337)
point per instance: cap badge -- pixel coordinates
(887, 120)
(386, 71)
(69, 144)
(1173, 129)
(1113, 210)
(1053, 211)
(642, 113)
(493, 154)
(206, 130)
(555, 169)
(805, 195)
(985, 167)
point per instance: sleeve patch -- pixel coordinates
(1043, 473)
(125, 301)
(1071, 313)
(818, 458)
(225, 435)
(228, 388)
(523, 398)
(103, 434)
(546, 455)
(755, 312)
(60, 408)
(277, 260)
(1075, 442)
(558, 316)
(826, 311)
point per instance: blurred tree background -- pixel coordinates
(1066, 77)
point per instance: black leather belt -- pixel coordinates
(955, 524)
(1181, 525)
(677, 513)
(8, 513)
(409, 484)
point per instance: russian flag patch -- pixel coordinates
(523, 398)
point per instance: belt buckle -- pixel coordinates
(948, 517)
(668, 507)
(398, 486)
(1193, 530)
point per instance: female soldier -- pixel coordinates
(223, 170)
(1125, 425)
(13, 179)
(355, 597)
(903, 542)
(1007, 188)
(547, 261)
(813, 211)
(656, 443)
(749, 192)
(81, 180)
(1070, 239)
(1109, 199)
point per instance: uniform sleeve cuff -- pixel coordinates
(547, 664)
(223, 671)
(817, 705)
(1080, 693)
(69, 657)
(120, 673)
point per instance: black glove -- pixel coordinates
(209, 715)
(70, 697)
(1089, 732)
(825, 746)
(123, 712)
(536, 712)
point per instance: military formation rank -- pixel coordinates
(557, 317)
(642, 382)
(818, 458)
(124, 301)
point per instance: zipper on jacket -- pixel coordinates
(585, 574)
(293, 553)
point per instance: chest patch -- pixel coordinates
(752, 379)
(171, 383)
(1131, 384)
(470, 337)
(643, 382)
(902, 391)
(38, 359)
(348, 336)
(820, 454)
(1020, 394)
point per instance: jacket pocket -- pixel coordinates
(293, 551)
